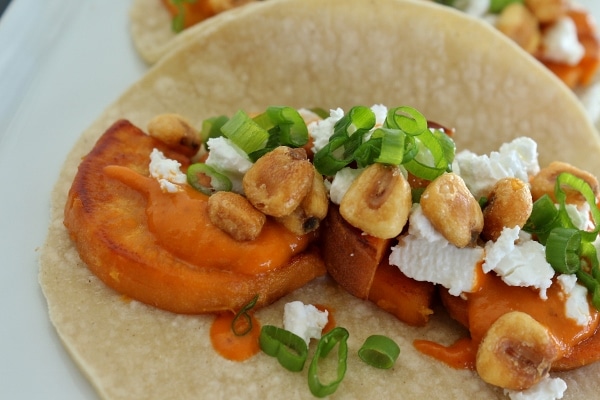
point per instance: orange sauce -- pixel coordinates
(181, 225)
(330, 317)
(460, 355)
(193, 12)
(495, 299)
(228, 344)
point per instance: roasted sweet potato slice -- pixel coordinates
(359, 264)
(109, 224)
(350, 256)
(409, 300)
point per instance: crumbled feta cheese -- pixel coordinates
(425, 255)
(519, 264)
(380, 112)
(580, 216)
(561, 44)
(322, 130)
(341, 182)
(306, 321)
(577, 306)
(166, 171)
(514, 159)
(546, 389)
(229, 160)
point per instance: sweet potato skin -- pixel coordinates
(351, 257)
(107, 221)
(359, 264)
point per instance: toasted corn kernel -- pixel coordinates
(519, 24)
(545, 180)
(509, 205)
(452, 209)
(378, 201)
(278, 182)
(308, 215)
(234, 215)
(546, 11)
(176, 132)
(516, 352)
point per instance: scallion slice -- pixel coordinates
(568, 249)
(206, 179)
(211, 127)
(379, 351)
(290, 349)
(563, 248)
(337, 336)
(243, 313)
(245, 133)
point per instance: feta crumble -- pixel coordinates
(229, 160)
(166, 171)
(306, 321)
(518, 159)
(561, 44)
(547, 389)
(577, 306)
(425, 255)
(519, 262)
(341, 183)
(322, 130)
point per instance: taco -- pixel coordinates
(383, 51)
(154, 24)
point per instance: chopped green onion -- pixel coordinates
(496, 6)
(178, 21)
(290, 349)
(245, 133)
(403, 139)
(562, 250)
(330, 159)
(406, 119)
(379, 351)
(322, 113)
(243, 313)
(206, 179)
(543, 218)
(337, 336)
(288, 124)
(566, 246)
(211, 127)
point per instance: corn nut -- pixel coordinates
(311, 211)
(452, 209)
(544, 182)
(176, 132)
(378, 201)
(234, 215)
(519, 24)
(509, 205)
(547, 11)
(516, 352)
(278, 182)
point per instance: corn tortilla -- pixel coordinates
(456, 70)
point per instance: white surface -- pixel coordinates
(61, 63)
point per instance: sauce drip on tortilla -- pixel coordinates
(181, 225)
(231, 346)
(495, 299)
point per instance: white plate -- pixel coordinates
(61, 63)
